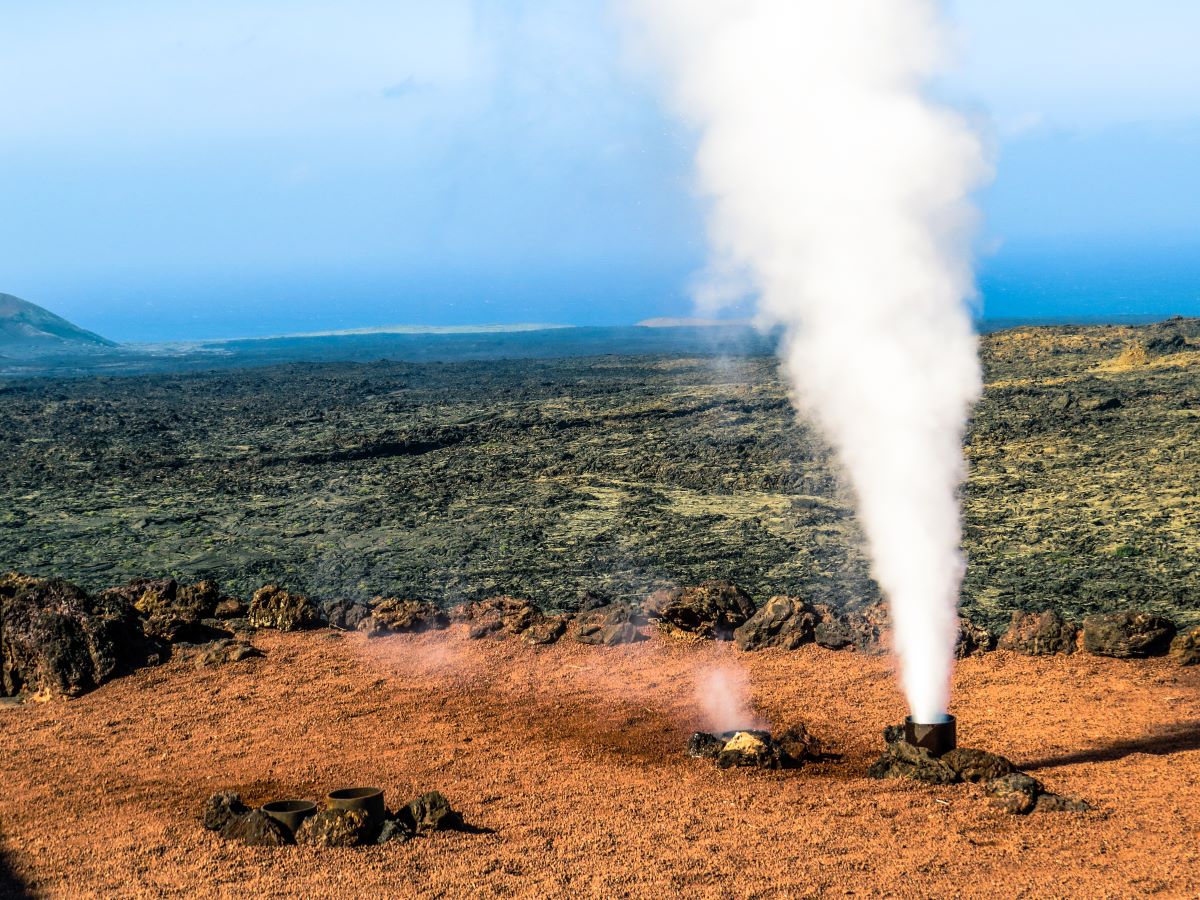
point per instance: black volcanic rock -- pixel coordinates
(977, 765)
(256, 829)
(501, 615)
(1048, 802)
(606, 625)
(547, 630)
(784, 622)
(861, 629)
(1185, 649)
(1015, 793)
(170, 611)
(430, 812)
(335, 828)
(1127, 635)
(221, 809)
(219, 652)
(56, 640)
(800, 744)
(903, 760)
(714, 609)
(973, 640)
(391, 615)
(348, 615)
(394, 830)
(273, 607)
(703, 745)
(1010, 789)
(230, 608)
(1039, 634)
(751, 748)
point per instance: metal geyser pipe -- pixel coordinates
(937, 738)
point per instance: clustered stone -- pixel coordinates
(1010, 789)
(226, 814)
(753, 748)
(61, 641)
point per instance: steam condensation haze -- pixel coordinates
(840, 195)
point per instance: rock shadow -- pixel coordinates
(12, 887)
(1159, 742)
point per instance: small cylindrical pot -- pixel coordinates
(937, 738)
(290, 813)
(366, 799)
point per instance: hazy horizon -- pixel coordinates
(1060, 284)
(254, 168)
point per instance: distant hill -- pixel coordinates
(25, 326)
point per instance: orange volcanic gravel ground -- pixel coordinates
(574, 755)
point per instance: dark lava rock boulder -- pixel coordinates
(430, 812)
(1185, 649)
(170, 611)
(607, 626)
(273, 607)
(893, 733)
(218, 653)
(799, 744)
(394, 830)
(1047, 802)
(348, 615)
(977, 765)
(221, 809)
(784, 622)
(545, 631)
(256, 829)
(837, 630)
(1010, 789)
(715, 609)
(390, 615)
(335, 828)
(56, 640)
(1016, 793)
(1039, 634)
(494, 615)
(1127, 635)
(1020, 794)
(146, 595)
(973, 640)
(586, 601)
(501, 615)
(12, 583)
(752, 749)
(202, 597)
(230, 608)
(703, 745)
(903, 760)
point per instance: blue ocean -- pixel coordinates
(1040, 285)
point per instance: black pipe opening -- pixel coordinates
(938, 738)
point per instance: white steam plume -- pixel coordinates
(841, 192)
(723, 694)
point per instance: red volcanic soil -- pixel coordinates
(574, 755)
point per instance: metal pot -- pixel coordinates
(290, 813)
(365, 799)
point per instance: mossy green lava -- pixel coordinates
(615, 475)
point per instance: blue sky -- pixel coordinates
(198, 170)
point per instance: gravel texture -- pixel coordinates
(575, 755)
